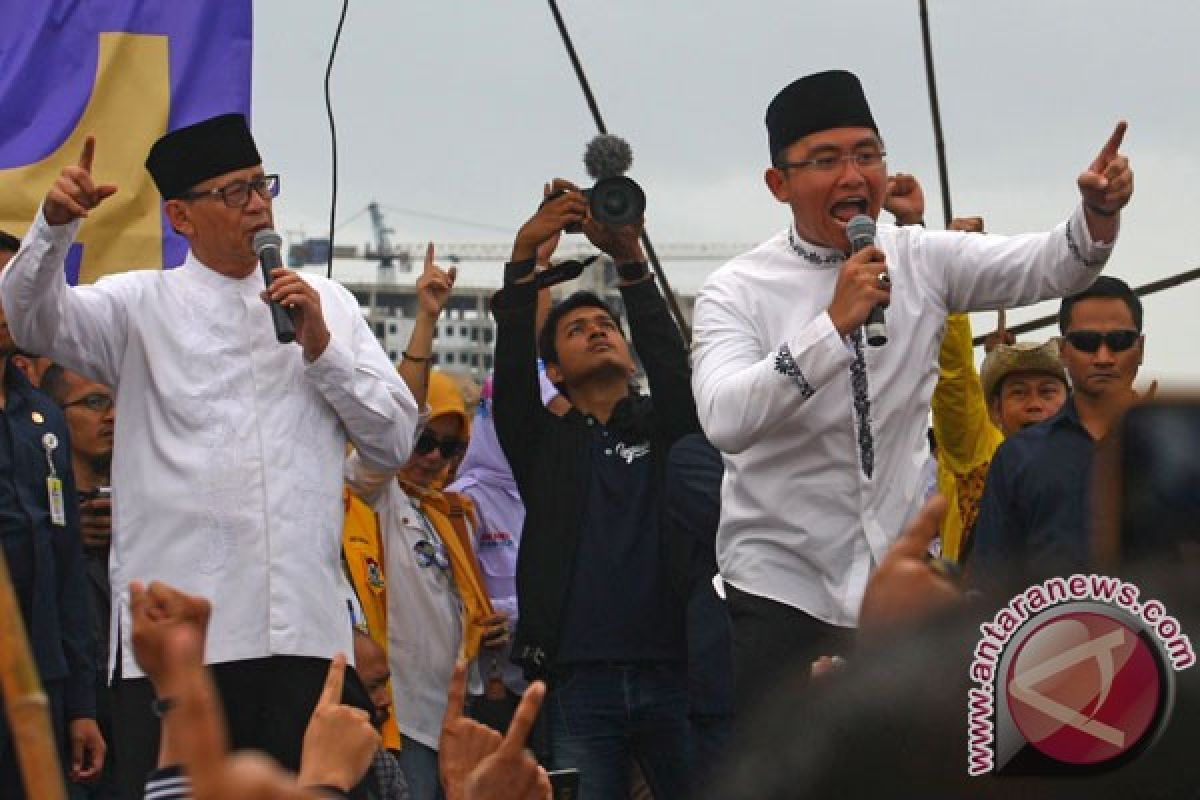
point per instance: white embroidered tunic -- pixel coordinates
(824, 437)
(227, 466)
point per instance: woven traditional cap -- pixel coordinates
(1020, 357)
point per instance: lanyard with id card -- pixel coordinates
(54, 489)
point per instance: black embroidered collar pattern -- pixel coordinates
(818, 258)
(862, 405)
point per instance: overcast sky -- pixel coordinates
(461, 109)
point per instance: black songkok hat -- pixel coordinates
(832, 99)
(188, 156)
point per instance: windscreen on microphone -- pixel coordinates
(861, 232)
(266, 238)
(607, 156)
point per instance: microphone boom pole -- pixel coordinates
(651, 255)
(938, 141)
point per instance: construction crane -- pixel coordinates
(383, 242)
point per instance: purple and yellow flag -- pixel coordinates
(126, 71)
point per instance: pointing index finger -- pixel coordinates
(456, 697)
(331, 695)
(429, 258)
(524, 718)
(88, 154)
(1109, 151)
(914, 541)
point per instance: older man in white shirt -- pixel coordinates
(229, 445)
(824, 436)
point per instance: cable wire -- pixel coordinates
(337, 36)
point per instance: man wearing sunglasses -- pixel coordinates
(227, 481)
(1034, 520)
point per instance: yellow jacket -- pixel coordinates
(362, 548)
(966, 437)
(453, 516)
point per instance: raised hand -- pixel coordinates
(434, 286)
(158, 610)
(74, 193)
(510, 772)
(905, 199)
(906, 587)
(202, 743)
(545, 250)
(565, 205)
(463, 743)
(621, 242)
(339, 741)
(1107, 184)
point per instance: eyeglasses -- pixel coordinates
(1089, 341)
(427, 442)
(237, 194)
(865, 159)
(100, 403)
(431, 555)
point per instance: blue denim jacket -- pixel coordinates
(61, 628)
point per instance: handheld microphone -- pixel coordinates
(861, 233)
(267, 244)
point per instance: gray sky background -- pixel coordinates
(463, 109)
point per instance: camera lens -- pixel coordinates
(617, 201)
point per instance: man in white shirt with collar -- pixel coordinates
(823, 435)
(227, 474)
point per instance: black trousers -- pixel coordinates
(267, 703)
(774, 643)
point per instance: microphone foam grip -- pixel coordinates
(607, 156)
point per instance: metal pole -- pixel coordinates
(672, 302)
(939, 143)
(1141, 291)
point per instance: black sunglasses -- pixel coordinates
(449, 448)
(1089, 341)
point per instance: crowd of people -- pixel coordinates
(254, 569)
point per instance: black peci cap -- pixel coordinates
(818, 102)
(191, 155)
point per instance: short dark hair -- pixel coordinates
(546, 346)
(9, 243)
(1105, 287)
(54, 383)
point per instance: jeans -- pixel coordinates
(601, 716)
(420, 767)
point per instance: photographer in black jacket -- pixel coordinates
(601, 614)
